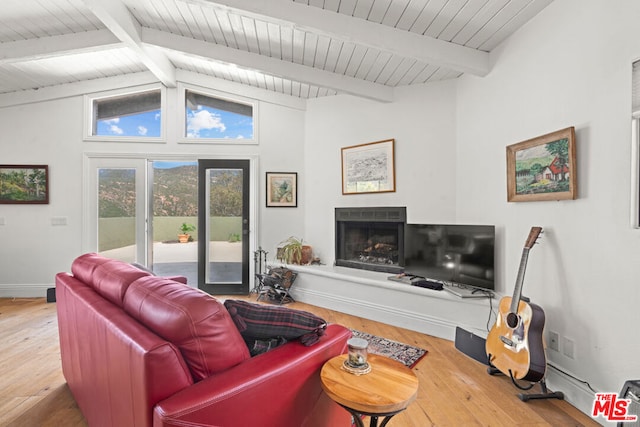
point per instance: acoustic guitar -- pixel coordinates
(515, 344)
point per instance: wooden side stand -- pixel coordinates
(382, 393)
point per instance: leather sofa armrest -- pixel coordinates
(280, 387)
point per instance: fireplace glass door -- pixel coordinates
(370, 238)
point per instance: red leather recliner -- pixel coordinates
(140, 350)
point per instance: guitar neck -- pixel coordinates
(517, 292)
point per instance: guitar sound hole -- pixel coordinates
(512, 320)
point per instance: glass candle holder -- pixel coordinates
(357, 352)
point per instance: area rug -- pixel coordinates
(403, 353)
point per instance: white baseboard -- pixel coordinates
(24, 290)
(371, 295)
(395, 316)
(575, 392)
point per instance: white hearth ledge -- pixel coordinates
(371, 295)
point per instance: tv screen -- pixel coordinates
(461, 254)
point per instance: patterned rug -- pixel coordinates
(403, 353)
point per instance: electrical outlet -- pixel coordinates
(568, 347)
(554, 341)
(59, 220)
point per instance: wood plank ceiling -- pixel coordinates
(300, 48)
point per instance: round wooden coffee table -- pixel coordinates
(388, 389)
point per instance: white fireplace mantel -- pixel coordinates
(371, 295)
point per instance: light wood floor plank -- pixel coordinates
(454, 390)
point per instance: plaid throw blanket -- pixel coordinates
(265, 327)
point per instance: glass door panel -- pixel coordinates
(117, 206)
(223, 222)
(174, 208)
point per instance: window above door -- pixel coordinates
(211, 117)
(139, 114)
(126, 115)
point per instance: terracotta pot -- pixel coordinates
(306, 256)
(183, 238)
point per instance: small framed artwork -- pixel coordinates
(543, 168)
(24, 184)
(369, 168)
(282, 189)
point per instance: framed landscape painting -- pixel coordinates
(368, 168)
(24, 184)
(282, 189)
(543, 168)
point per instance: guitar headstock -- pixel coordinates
(533, 237)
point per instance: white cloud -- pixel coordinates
(112, 126)
(116, 130)
(203, 119)
(142, 130)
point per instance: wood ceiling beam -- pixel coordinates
(48, 47)
(268, 65)
(117, 18)
(422, 48)
(68, 90)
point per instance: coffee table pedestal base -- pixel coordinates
(374, 417)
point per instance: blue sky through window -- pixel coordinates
(135, 125)
(207, 122)
(165, 164)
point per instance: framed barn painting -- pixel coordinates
(24, 184)
(543, 168)
(282, 189)
(369, 168)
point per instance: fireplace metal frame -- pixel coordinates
(386, 214)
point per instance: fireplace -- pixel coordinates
(370, 238)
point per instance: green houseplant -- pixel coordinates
(185, 229)
(293, 251)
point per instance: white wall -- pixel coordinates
(421, 120)
(570, 66)
(32, 251)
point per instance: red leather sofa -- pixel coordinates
(140, 350)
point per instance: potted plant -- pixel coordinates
(293, 251)
(185, 229)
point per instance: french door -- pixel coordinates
(132, 214)
(224, 225)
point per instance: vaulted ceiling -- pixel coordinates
(300, 48)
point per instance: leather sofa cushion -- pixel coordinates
(194, 321)
(109, 277)
(83, 267)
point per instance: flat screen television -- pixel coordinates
(460, 254)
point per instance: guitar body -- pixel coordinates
(515, 344)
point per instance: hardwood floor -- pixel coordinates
(33, 392)
(455, 390)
